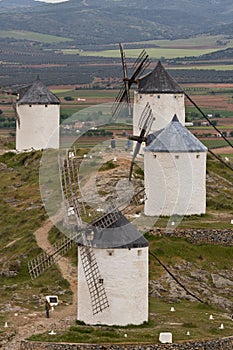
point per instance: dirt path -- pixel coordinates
(25, 325)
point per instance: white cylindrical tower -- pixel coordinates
(164, 96)
(121, 253)
(175, 172)
(38, 113)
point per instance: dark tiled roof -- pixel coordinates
(37, 93)
(122, 234)
(158, 81)
(174, 138)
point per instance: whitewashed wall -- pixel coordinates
(164, 106)
(125, 275)
(39, 127)
(175, 185)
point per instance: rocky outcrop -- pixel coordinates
(198, 236)
(218, 344)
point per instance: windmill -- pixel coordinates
(139, 66)
(109, 236)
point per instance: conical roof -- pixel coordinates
(37, 93)
(174, 138)
(158, 81)
(121, 234)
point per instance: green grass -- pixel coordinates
(192, 317)
(173, 250)
(32, 36)
(21, 214)
(215, 143)
(88, 94)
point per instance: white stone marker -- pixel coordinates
(165, 338)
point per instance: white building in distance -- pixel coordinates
(38, 115)
(121, 253)
(175, 172)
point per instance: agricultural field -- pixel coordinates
(57, 60)
(32, 36)
(167, 49)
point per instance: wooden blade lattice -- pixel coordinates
(123, 97)
(46, 259)
(99, 300)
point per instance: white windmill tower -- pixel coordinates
(38, 118)
(175, 172)
(112, 260)
(121, 253)
(164, 96)
(174, 169)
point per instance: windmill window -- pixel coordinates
(155, 155)
(46, 105)
(139, 252)
(177, 157)
(140, 96)
(101, 281)
(110, 252)
(30, 105)
(175, 96)
(158, 96)
(198, 156)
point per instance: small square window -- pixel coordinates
(46, 105)
(158, 96)
(139, 252)
(155, 155)
(30, 105)
(177, 157)
(198, 156)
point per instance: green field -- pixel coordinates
(198, 41)
(32, 36)
(169, 49)
(154, 53)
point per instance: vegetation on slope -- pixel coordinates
(22, 213)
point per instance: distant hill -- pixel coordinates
(96, 22)
(17, 3)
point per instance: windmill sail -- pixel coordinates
(144, 124)
(46, 259)
(123, 97)
(94, 280)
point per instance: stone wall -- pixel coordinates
(198, 236)
(218, 344)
